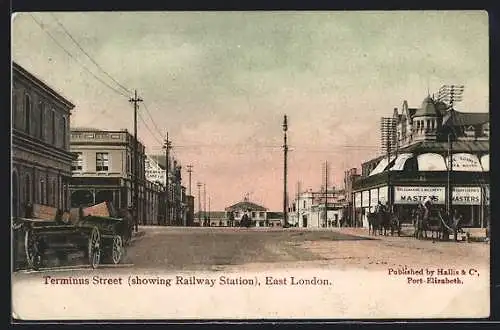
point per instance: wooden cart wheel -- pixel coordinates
(117, 249)
(33, 256)
(94, 248)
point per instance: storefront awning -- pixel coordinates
(485, 162)
(400, 162)
(431, 162)
(381, 165)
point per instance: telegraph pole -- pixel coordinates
(199, 184)
(326, 193)
(167, 145)
(204, 202)
(209, 209)
(298, 204)
(450, 94)
(285, 193)
(190, 170)
(135, 100)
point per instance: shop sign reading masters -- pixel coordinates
(415, 195)
(466, 195)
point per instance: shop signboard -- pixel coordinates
(365, 198)
(466, 162)
(357, 200)
(415, 195)
(466, 196)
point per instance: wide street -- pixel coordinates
(213, 248)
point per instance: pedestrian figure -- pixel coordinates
(456, 223)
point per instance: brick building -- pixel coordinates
(41, 157)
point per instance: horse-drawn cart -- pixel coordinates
(100, 238)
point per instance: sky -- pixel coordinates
(220, 83)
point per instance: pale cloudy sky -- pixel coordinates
(220, 83)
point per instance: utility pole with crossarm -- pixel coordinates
(135, 100)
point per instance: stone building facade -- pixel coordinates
(41, 157)
(104, 171)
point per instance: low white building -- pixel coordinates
(308, 209)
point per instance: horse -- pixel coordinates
(373, 223)
(437, 224)
(420, 223)
(128, 224)
(395, 223)
(379, 220)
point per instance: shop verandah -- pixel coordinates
(404, 191)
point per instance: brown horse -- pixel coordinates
(127, 227)
(378, 221)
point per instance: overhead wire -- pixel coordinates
(71, 55)
(127, 90)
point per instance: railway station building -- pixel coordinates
(418, 165)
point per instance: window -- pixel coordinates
(101, 162)
(63, 132)
(53, 126)
(254, 214)
(27, 113)
(42, 119)
(77, 164)
(304, 204)
(14, 108)
(261, 214)
(53, 197)
(42, 192)
(128, 164)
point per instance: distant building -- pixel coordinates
(256, 213)
(177, 201)
(419, 166)
(275, 219)
(41, 157)
(308, 209)
(103, 171)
